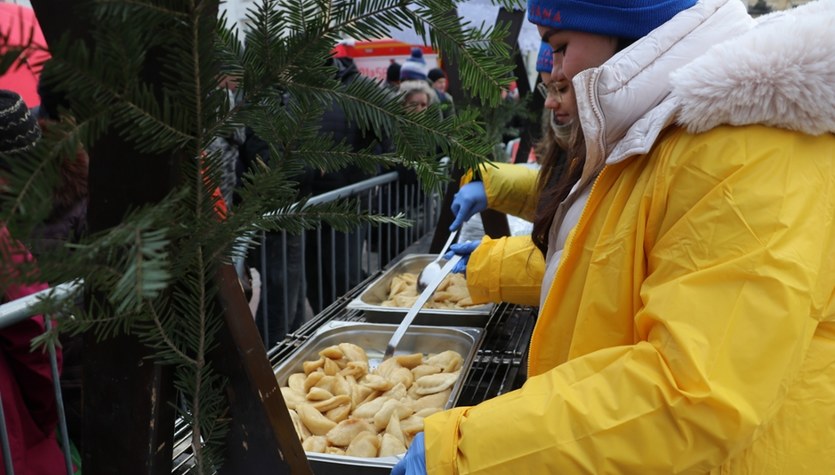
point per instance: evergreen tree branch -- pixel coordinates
(167, 340)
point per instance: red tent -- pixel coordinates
(19, 27)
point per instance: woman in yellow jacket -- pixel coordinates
(687, 325)
(510, 269)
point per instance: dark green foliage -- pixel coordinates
(154, 271)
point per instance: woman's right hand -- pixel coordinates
(469, 200)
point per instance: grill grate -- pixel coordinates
(499, 364)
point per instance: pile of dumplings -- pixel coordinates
(340, 407)
(452, 293)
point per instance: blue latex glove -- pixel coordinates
(463, 249)
(469, 200)
(414, 463)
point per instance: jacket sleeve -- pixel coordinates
(734, 289)
(510, 188)
(508, 269)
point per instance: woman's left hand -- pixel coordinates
(414, 462)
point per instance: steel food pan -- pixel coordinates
(373, 337)
(369, 301)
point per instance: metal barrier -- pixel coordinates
(301, 275)
(17, 311)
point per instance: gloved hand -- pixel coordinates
(463, 249)
(414, 463)
(469, 200)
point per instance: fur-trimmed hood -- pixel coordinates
(781, 73)
(710, 65)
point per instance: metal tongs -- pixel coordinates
(415, 309)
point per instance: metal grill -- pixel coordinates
(499, 365)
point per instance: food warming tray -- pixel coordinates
(373, 337)
(372, 296)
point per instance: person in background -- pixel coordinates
(544, 62)
(438, 78)
(512, 92)
(67, 222)
(417, 95)
(414, 67)
(389, 240)
(283, 305)
(333, 259)
(685, 305)
(393, 76)
(26, 385)
(518, 191)
(228, 146)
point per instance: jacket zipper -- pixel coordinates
(580, 222)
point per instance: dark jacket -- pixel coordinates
(67, 221)
(336, 123)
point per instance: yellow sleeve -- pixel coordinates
(734, 288)
(510, 188)
(508, 269)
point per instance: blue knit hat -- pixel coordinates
(545, 59)
(414, 67)
(620, 18)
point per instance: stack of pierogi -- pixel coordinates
(339, 406)
(451, 293)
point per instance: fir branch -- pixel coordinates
(341, 215)
(167, 340)
(196, 439)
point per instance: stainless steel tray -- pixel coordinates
(373, 337)
(370, 299)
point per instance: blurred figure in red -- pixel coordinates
(26, 387)
(19, 28)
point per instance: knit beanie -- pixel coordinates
(545, 59)
(18, 128)
(630, 19)
(393, 72)
(414, 67)
(435, 74)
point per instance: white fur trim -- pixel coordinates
(781, 73)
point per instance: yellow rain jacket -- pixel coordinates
(690, 327)
(507, 269)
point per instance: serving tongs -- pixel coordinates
(427, 292)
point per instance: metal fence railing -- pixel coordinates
(301, 275)
(13, 313)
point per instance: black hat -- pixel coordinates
(435, 74)
(393, 72)
(18, 128)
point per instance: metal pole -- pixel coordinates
(285, 324)
(265, 281)
(59, 401)
(4, 440)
